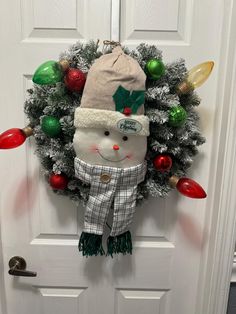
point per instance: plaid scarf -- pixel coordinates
(108, 185)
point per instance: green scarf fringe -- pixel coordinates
(91, 244)
(120, 244)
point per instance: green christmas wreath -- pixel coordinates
(174, 127)
(169, 103)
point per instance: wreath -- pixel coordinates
(169, 102)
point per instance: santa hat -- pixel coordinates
(113, 96)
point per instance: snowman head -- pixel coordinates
(111, 128)
(108, 147)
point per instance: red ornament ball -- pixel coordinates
(74, 80)
(58, 181)
(162, 163)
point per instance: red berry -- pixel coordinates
(127, 111)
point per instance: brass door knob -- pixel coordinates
(17, 266)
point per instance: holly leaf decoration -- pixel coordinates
(137, 97)
(120, 98)
(124, 98)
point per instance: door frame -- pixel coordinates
(217, 257)
(2, 283)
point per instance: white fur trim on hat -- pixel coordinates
(99, 118)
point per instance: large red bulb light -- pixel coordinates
(190, 188)
(12, 138)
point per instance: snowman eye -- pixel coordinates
(125, 138)
(107, 133)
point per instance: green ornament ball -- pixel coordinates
(154, 69)
(49, 72)
(177, 116)
(51, 126)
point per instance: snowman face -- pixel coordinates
(109, 147)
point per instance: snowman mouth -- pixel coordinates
(117, 160)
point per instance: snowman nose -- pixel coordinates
(116, 147)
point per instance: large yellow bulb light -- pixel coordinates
(195, 77)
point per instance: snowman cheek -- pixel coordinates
(93, 148)
(129, 156)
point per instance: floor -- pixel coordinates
(232, 299)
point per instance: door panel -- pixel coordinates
(156, 20)
(64, 20)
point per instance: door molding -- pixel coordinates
(115, 20)
(217, 259)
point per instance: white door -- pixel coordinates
(165, 274)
